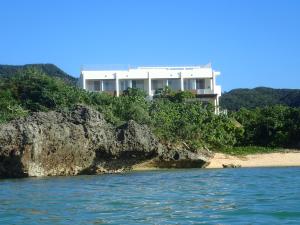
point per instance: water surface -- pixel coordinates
(221, 196)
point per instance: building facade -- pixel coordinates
(201, 80)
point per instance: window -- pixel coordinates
(189, 84)
(158, 84)
(200, 84)
(97, 85)
(174, 84)
(125, 84)
(108, 85)
(138, 84)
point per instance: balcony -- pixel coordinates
(204, 92)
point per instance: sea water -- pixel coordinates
(196, 196)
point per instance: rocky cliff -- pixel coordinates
(81, 141)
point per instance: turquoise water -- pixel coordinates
(224, 196)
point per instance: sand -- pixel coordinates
(285, 158)
(257, 160)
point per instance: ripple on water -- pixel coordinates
(239, 196)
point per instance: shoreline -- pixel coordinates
(276, 159)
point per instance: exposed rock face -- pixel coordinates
(231, 165)
(182, 157)
(78, 142)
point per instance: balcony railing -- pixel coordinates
(204, 91)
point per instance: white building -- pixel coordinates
(200, 80)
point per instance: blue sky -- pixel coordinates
(252, 42)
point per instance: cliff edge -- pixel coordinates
(81, 141)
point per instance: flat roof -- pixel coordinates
(128, 67)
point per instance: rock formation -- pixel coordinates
(231, 165)
(81, 141)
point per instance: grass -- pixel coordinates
(247, 150)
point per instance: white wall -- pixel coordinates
(143, 73)
(154, 73)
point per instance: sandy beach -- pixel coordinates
(280, 159)
(257, 160)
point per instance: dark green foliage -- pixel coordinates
(48, 69)
(31, 90)
(247, 150)
(172, 119)
(135, 92)
(165, 92)
(170, 115)
(179, 96)
(182, 96)
(130, 107)
(9, 106)
(192, 123)
(273, 126)
(259, 97)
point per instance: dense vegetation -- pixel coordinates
(260, 97)
(49, 69)
(270, 126)
(170, 115)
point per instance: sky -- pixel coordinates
(251, 42)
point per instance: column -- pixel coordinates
(149, 85)
(213, 82)
(181, 82)
(83, 82)
(130, 83)
(215, 105)
(217, 110)
(194, 84)
(102, 85)
(117, 85)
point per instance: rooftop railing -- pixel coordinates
(176, 67)
(95, 67)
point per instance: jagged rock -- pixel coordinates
(231, 165)
(180, 156)
(80, 141)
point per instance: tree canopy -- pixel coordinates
(259, 97)
(169, 115)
